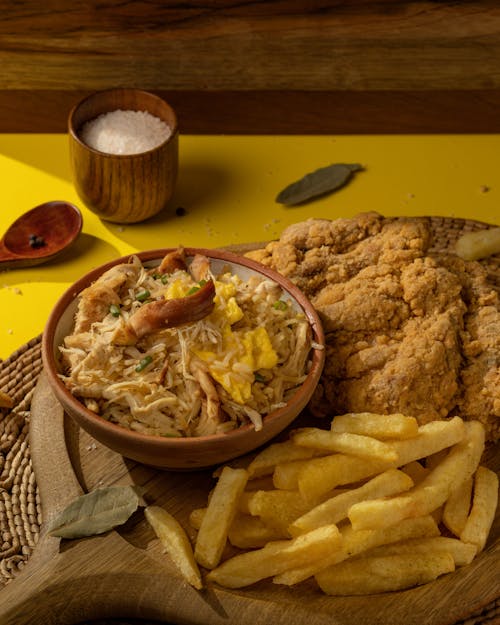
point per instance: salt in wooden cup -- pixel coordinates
(123, 188)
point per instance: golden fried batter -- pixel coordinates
(407, 331)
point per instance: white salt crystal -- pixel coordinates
(125, 132)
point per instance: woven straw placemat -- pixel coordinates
(20, 511)
(20, 514)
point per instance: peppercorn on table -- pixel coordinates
(226, 193)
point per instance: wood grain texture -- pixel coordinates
(258, 45)
(282, 112)
(124, 188)
(405, 65)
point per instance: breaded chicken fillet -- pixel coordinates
(407, 330)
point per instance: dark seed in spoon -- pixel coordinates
(40, 234)
(36, 241)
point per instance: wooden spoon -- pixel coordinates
(40, 234)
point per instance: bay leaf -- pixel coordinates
(96, 512)
(319, 182)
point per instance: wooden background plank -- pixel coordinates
(227, 66)
(282, 112)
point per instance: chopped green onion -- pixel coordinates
(147, 360)
(143, 295)
(193, 289)
(114, 310)
(161, 276)
(258, 377)
(280, 305)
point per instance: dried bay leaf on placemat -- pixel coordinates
(319, 182)
(96, 512)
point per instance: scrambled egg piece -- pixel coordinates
(242, 352)
(177, 288)
(226, 306)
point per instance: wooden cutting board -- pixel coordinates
(125, 573)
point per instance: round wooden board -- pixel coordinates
(125, 573)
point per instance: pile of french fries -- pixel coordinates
(375, 504)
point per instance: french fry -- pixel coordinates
(335, 509)
(345, 442)
(243, 501)
(437, 514)
(196, 517)
(376, 425)
(276, 557)
(318, 476)
(434, 459)
(355, 543)
(286, 474)
(262, 483)
(388, 482)
(277, 508)
(457, 506)
(432, 492)
(250, 532)
(463, 553)
(484, 504)
(175, 540)
(277, 453)
(478, 244)
(431, 438)
(415, 470)
(221, 510)
(245, 532)
(367, 576)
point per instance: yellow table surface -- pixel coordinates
(228, 185)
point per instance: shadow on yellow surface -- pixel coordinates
(46, 153)
(199, 183)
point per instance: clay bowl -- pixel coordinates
(180, 453)
(123, 188)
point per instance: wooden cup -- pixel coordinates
(123, 188)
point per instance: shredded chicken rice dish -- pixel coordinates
(174, 350)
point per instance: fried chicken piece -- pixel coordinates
(316, 235)
(96, 299)
(393, 341)
(479, 396)
(318, 252)
(406, 331)
(349, 306)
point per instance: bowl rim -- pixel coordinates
(73, 132)
(125, 434)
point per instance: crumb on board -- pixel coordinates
(6, 400)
